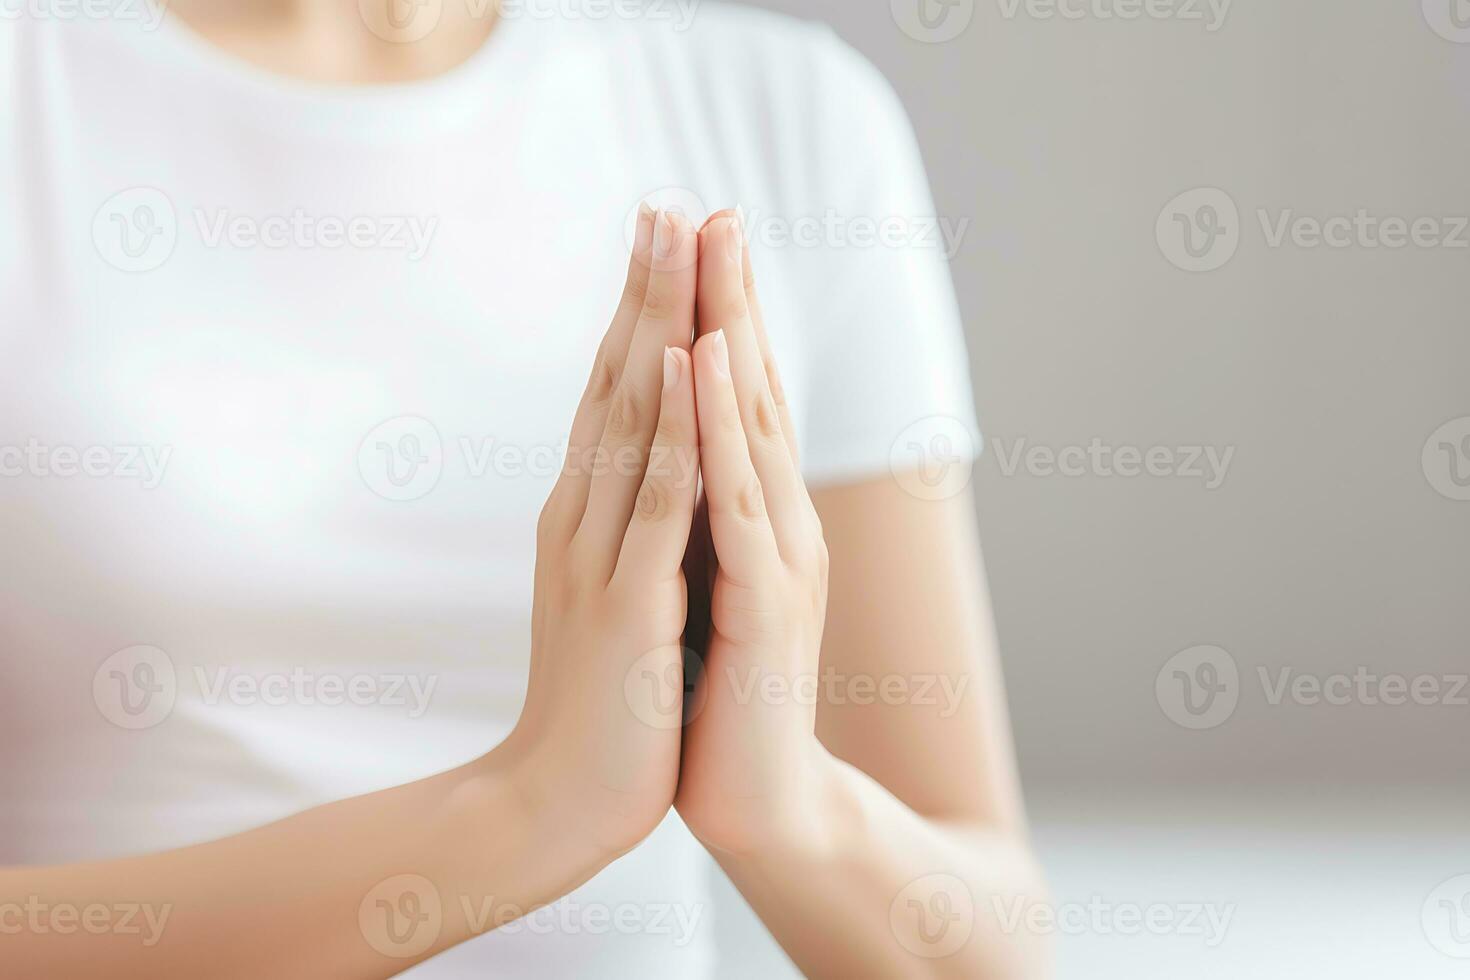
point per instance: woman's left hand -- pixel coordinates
(750, 755)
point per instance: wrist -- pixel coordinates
(568, 804)
(815, 815)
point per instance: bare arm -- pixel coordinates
(876, 826)
(368, 886)
(364, 887)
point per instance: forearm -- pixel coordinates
(863, 886)
(317, 894)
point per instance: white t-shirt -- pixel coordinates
(285, 371)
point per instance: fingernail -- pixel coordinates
(671, 368)
(722, 353)
(644, 234)
(663, 234)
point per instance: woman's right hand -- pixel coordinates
(598, 739)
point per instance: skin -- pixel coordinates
(840, 821)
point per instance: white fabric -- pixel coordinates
(189, 418)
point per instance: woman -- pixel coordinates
(303, 296)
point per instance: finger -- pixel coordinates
(722, 304)
(666, 320)
(763, 343)
(569, 496)
(738, 521)
(659, 530)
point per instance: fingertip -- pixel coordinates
(712, 359)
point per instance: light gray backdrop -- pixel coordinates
(1323, 369)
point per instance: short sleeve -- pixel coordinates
(883, 354)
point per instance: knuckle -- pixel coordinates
(734, 308)
(659, 302)
(654, 501)
(603, 381)
(749, 278)
(625, 415)
(750, 501)
(767, 419)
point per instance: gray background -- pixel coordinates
(1328, 547)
